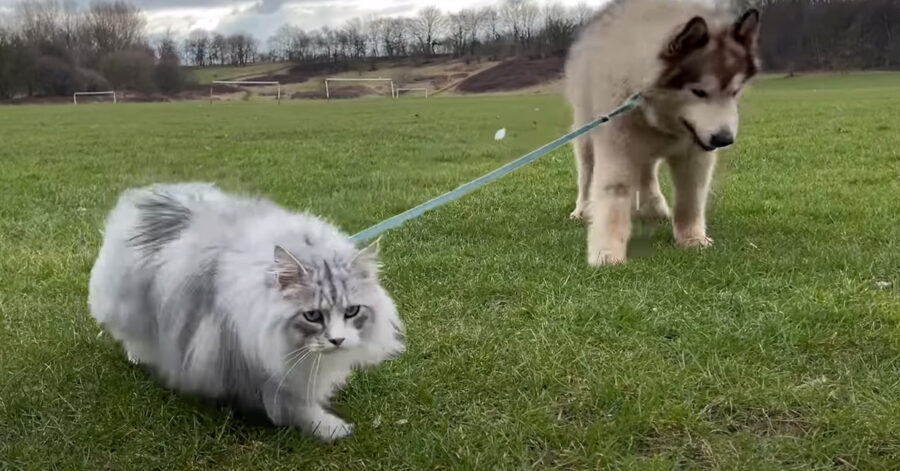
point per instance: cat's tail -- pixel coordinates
(159, 214)
(142, 223)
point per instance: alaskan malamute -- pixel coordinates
(690, 63)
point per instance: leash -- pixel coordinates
(398, 220)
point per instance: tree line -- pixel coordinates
(52, 48)
(800, 35)
(797, 35)
(510, 28)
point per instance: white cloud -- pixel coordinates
(262, 17)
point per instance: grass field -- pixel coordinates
(779, 348)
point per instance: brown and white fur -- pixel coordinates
(690, 63)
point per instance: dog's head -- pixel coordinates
(705, 68)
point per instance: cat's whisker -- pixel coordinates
(290, 357)
(311, 379)
(302, 349)
(284, 377)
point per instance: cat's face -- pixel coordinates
(334, 301)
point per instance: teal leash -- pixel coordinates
(398, 220)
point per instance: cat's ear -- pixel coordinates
(288, 270)
(366, 260)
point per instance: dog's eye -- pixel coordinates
(313, 316)
(351, 311)
(699, 93)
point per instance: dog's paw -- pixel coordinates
(694, 242)
(604, 258)
(578, 214)
(331, 428)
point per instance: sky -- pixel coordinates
(262, 17)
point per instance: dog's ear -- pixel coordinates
(746, 28)
(693, 36)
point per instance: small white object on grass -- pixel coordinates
(500, 134)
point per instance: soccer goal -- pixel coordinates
(407, 89)
(78, 94)
(244, 82)
(328, 90)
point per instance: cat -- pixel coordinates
(237, 299)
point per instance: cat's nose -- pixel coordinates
(336, 342)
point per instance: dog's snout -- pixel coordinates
(723, 138)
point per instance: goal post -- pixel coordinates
(336, 79)
(243, 82)
(77, 94)
(412, 89)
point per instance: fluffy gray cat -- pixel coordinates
(237, 299)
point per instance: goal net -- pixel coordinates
(93, 96)
(243, 83)
(329, 91)
(404, 90)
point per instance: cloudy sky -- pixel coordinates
(261, 17)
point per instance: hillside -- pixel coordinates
(439, 76)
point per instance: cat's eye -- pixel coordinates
(351, 311)
(313, 316)
(699, 93)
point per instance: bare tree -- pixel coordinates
(241, 49)
(426, 27)
(373, 30)
(301, 46)
(457, 34)
(39, 21)
(492, 23)
(114, 26)
(473, 22)
(582, 14)
(279, 44)
(394, 31)
(196, 47)
(559, 30)
(218, 50)
(353, 32)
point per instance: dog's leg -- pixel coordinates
(691, 175)
(584, 161)
(653, 206)
(609, 212)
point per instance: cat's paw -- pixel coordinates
(330, 428)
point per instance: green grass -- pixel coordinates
(775, 349)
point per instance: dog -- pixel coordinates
(690, 63)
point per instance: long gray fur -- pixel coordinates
(209, 316)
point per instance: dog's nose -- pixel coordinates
(336, 342)
(723, 138)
